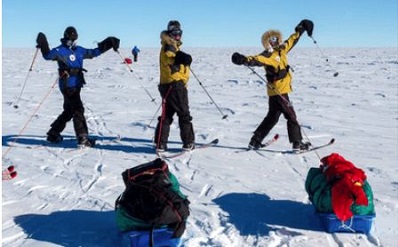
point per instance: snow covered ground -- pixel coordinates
(65, 197)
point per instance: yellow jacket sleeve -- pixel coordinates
(169, 72)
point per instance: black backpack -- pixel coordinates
(152, 195)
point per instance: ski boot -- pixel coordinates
(300, 145)
(85, 142)
(161, 148)
(54, 137)
(254, 145)
(188, 146)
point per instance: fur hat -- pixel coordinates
(269, 34)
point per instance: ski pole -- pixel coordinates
(200, 83)
(326, 59)
(26, 79)
(131, 70)
(269, 85)
(30, 118)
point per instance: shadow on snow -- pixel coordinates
(250, 213)
(110, 143)
(72, 228)
(257, 214)
(133, 145)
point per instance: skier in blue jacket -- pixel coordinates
(135, 52)
(69, 57)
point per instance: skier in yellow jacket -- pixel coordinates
(275, 62)
(174, 76)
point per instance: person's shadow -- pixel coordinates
(110, 143)
(125, 144)
(257, 214)
(72, 228)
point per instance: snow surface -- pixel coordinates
(65, 197)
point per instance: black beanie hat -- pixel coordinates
(70, 33)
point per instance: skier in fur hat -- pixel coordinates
(279, 78)
(174, 76)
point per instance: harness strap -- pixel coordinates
(66, 72)
(163, 116)
(273, 76)
(151, 236)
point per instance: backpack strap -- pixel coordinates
(151, 243)
(147, 168)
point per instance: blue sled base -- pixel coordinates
(357, 224)
(161, 237)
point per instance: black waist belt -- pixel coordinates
(69, 72)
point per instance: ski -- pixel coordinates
(97, 143)
(262, 145)
(9, 173)
(168, 155)
(267, 143)
(312, 148)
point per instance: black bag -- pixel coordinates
(152, 195)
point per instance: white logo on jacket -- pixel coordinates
(72, 57)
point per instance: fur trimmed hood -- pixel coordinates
(267, 35)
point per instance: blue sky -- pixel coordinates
(206, 23)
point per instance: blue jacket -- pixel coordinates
(70, 64)
(135, 50)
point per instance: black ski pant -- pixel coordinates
(277, 105)
(73, 109)
(174, 101)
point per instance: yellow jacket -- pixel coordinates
(170, 73)
(275, 63)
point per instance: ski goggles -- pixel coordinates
(273, 40)
(176, 32)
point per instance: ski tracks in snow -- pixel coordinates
(213, 225)
(78, 180)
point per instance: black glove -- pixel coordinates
(108, 43)
(182, 58)
(42, 43)
(239, 59)
(305, 25)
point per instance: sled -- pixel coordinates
(128, 60)
(357, 223)
(161, 237)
